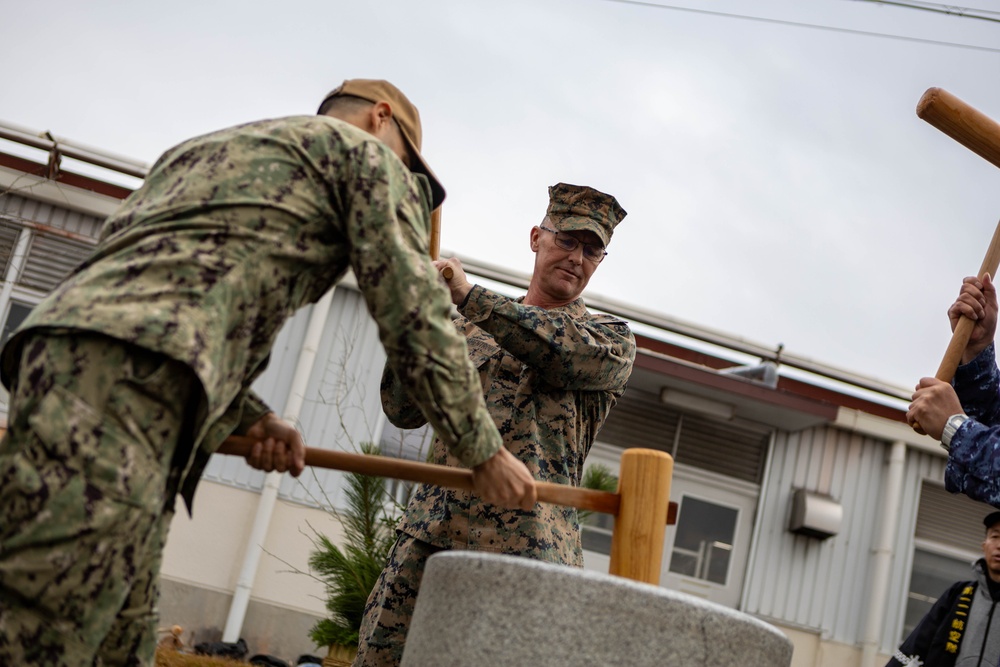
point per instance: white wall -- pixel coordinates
(207, 550)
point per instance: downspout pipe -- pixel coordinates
(882, 561)
(765, 491)
(269, 494)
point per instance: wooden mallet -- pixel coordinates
(642, 504)
(981, 134)
(436, 241)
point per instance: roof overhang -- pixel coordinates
(740, 397)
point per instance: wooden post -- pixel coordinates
(640, 525)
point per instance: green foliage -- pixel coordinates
(350, 572)
(599, 477)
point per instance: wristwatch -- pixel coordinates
(950, 428)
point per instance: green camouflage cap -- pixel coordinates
(573, 207)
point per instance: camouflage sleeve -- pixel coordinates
(388, 227)
(974, 456)
(242, 413)
(588, 353)
(399, 408)
(253, 408)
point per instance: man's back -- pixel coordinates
(230, 233)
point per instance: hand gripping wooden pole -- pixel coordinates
(963, 330)
(635, 481)
(981, 134)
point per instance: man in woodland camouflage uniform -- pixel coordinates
(550, 372)
(134, 370)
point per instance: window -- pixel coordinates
(703, 544)
(705, 553)
(17, 313)
(947, 540)
(931, 576)
(50, 259)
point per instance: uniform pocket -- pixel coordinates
(112, 464)
(481, 350)
(20, 485)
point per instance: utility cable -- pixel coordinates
(937, 9)
(951, 9)
(814, 26)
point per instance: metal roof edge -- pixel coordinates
(862, 422)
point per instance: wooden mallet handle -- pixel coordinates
(427, 473)
(436, 241)
(980, 134)
(963, 123)
(963, 330)
(436, 233)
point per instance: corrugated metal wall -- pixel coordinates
(802, 581)
(341, 408)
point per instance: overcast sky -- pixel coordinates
(779, 185)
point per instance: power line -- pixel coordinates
(952, 9)
(939, 9)
(814, 26)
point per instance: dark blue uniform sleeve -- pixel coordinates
(974, 459)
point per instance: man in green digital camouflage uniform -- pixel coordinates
(127, 377)
(550, 372)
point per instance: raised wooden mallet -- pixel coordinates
(641, 506)
(981, 134)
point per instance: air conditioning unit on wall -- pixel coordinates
(814, 514)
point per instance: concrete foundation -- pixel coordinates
(482, 609)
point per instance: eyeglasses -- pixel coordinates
(591, 251)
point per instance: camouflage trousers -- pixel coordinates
(390, 605)
(83, 475)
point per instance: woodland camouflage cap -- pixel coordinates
(573, 207)
(406, 115)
